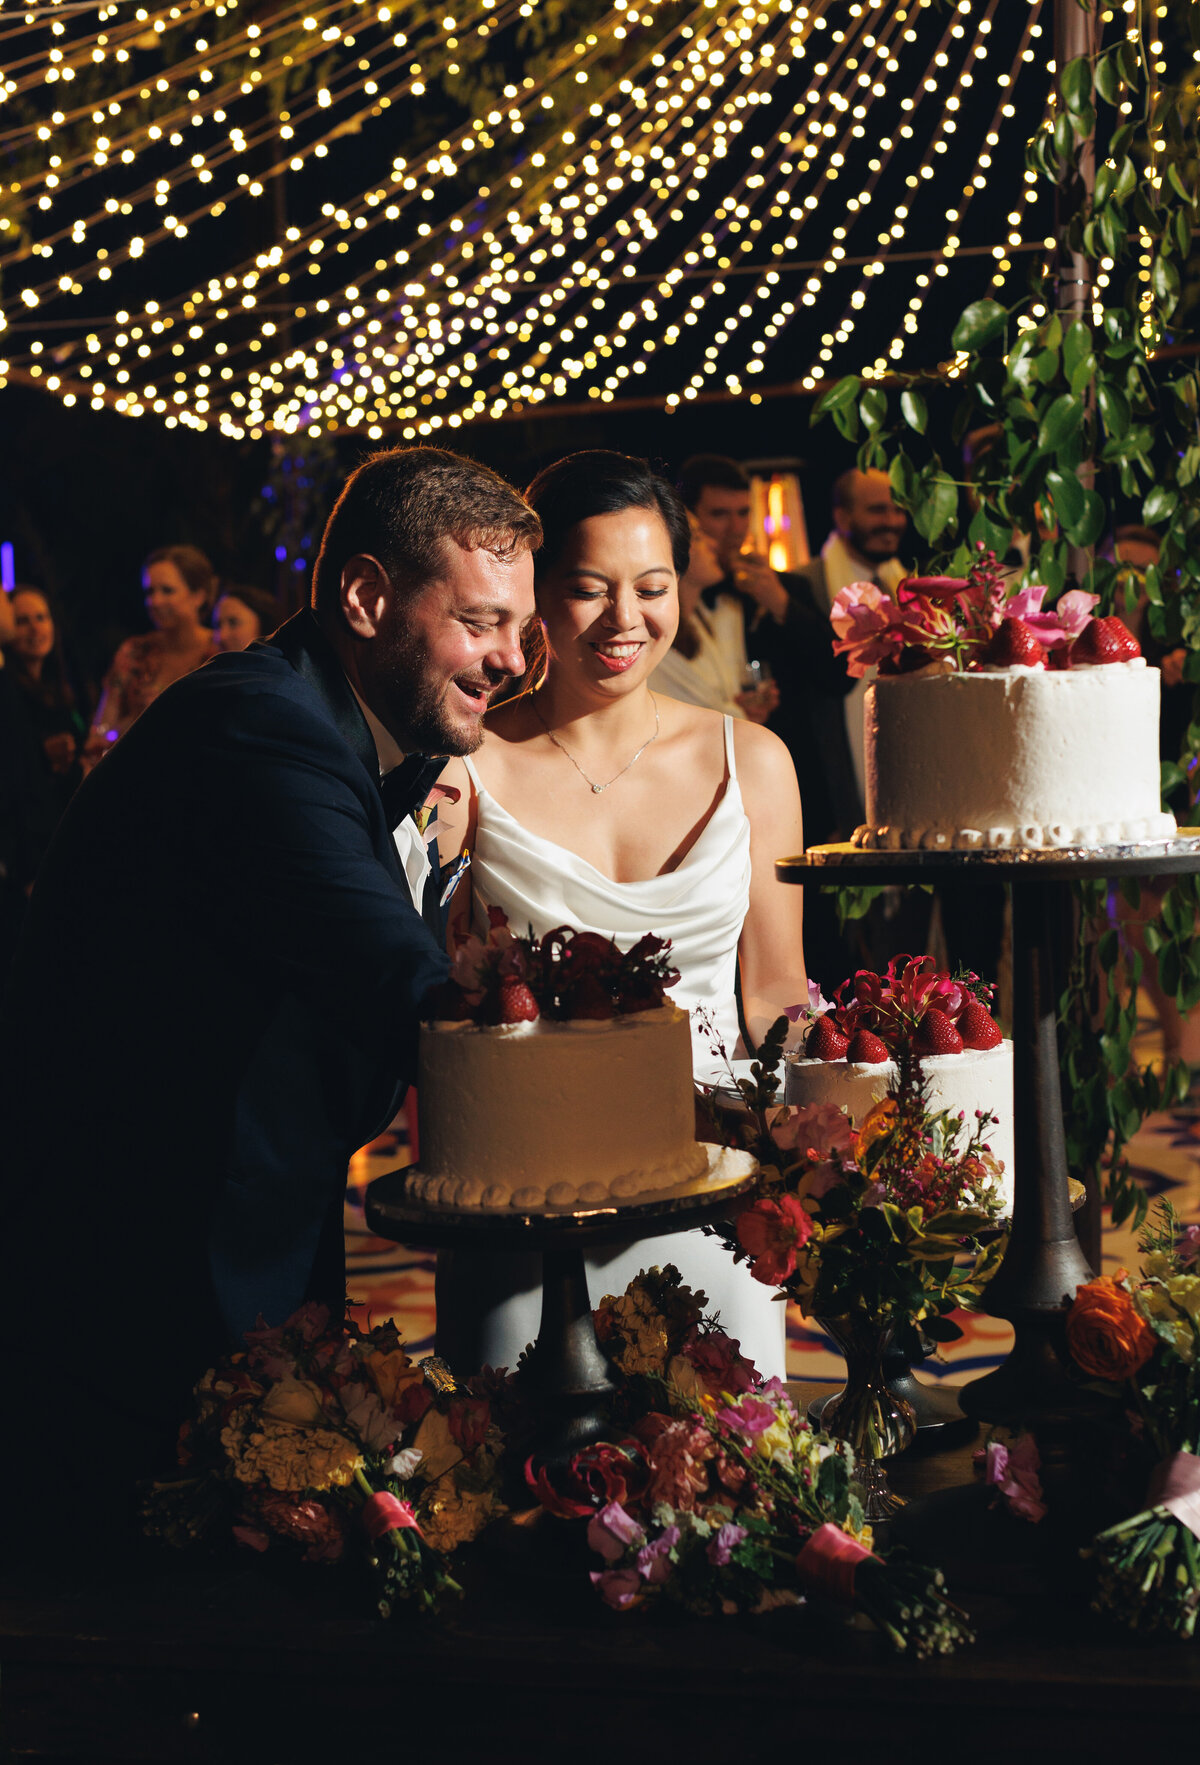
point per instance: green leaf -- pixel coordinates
(1182, 232)
(932, 516)
(1060, 422)
(1160, 505)
(1114, 408)
(1126, 173)
(994, 534)
(1045, 365)
(1108, 80)
(1106, 178)
(1064, 137)
(1052, 332)
(979, 324)
(902, 478)
(1164, 279)
(914, 410)
(1091, 524)
(1083, 374)
(845, 419)
(838, 397)
(1076, 83)
(1112, 231)
(1126, 58)
(1066, 494)
(1177, 184)
(872, 407)
(1077, 345)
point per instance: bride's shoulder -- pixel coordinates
(763, 762)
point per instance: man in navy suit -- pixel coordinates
(217, 995)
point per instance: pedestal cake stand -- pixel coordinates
(1044, 1262)
(566, 1365)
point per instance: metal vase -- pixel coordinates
(866, 1414)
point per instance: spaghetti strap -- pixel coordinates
(471, 773)
(730, 762)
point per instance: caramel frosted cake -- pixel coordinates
(851, 1053)
(555, 1074)
(994, 723)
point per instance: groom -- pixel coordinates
(217, 995)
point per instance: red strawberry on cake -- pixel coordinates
(977, 1027)
(936, 1034)
(826, 1041)
(517, 1003)
(867, 1049)
(1102, 641)
(1013, 645)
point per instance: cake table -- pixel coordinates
(566, 1364)
(1045, 1262)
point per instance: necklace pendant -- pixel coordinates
(597, 788)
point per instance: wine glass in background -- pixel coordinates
(758, 694)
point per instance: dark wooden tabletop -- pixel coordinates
(177, 1659)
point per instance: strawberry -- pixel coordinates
(1105, 640)
(936, 1034)
(826, 1041)
(977, 1027)
(517, 1003)
(867, 1048)
(1059, 658)
(1013, 644)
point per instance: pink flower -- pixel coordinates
(612, 1531)
(382, 1512)
(621, 1588)
(376, 1427)
(718, 1361)
(869, 626)
(1014, 1472)
(817, 1129)
(1059, 626)
(654, 1559)
(749, 1416)
(251, 1536)
(469, 1419)
(722, 1547)
(1189, 1245)
(773, 1231)
(679, 1454)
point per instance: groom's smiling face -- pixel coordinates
(438, 653)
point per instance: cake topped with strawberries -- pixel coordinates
(995, 721)
(554, 1073)
(851, 1051)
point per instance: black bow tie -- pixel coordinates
(406, 787)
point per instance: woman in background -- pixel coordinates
(242, 615)
(39, 670)
(178, 586)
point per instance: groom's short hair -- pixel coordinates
(400, 507)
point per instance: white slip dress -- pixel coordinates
(487, 1310)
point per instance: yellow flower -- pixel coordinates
(392, 1373)
(288, 1458)
(450, 1516)
(777, 1439)
(293, 1400)
(880, 1121)
(1185, 1292)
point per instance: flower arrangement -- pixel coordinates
(911, 1007)
(951, 623)
(563, 976)
(893, 1221)
(1139, 1337)
(328, 1441)
(721, 1498)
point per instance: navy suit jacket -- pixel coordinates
(223, 908)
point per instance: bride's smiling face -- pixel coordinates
(610, 600)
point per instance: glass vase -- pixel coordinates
(868, 1416)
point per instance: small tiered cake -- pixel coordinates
(556, 1074)
(850, 1054)
(994, 723)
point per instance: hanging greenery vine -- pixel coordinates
(1088, 415)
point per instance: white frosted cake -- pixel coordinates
(1014, 756)
(543, 1114)
(976, 1079)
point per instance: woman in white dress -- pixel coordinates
(598, 803)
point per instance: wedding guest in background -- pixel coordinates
(699, 669)
(242, 615)
(178, 585)
(28, 805)
(39, 669)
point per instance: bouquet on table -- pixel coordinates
(330, 1442)
(720, 1498)
(892, 1220)
(947, 624)
(1139, 1337)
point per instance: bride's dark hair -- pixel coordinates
(598, 482)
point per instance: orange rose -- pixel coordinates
(393, 1373)
(1106, 1333)
(879, 1122)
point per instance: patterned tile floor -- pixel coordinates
(387, 1280)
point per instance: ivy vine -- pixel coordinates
(1091, 413)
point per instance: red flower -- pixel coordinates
(469, 1418)
(310, 1523)
(598, 1474)
(384, 1512)
(773, 1231)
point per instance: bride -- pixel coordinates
(601, 804)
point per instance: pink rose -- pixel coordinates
(654, 1559)
(611, 1532)
(817, 1129)
(621, 1588)
(718, 1361)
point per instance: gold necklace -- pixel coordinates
(597, 788)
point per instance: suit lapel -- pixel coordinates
(311, 654)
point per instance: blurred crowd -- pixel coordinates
(753, 641)
(55, 723)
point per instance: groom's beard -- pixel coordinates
(415, 702)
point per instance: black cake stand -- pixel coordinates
(566, 1365)
(1044, 1263)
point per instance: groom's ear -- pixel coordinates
(366, 594)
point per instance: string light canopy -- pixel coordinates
(263, 217)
